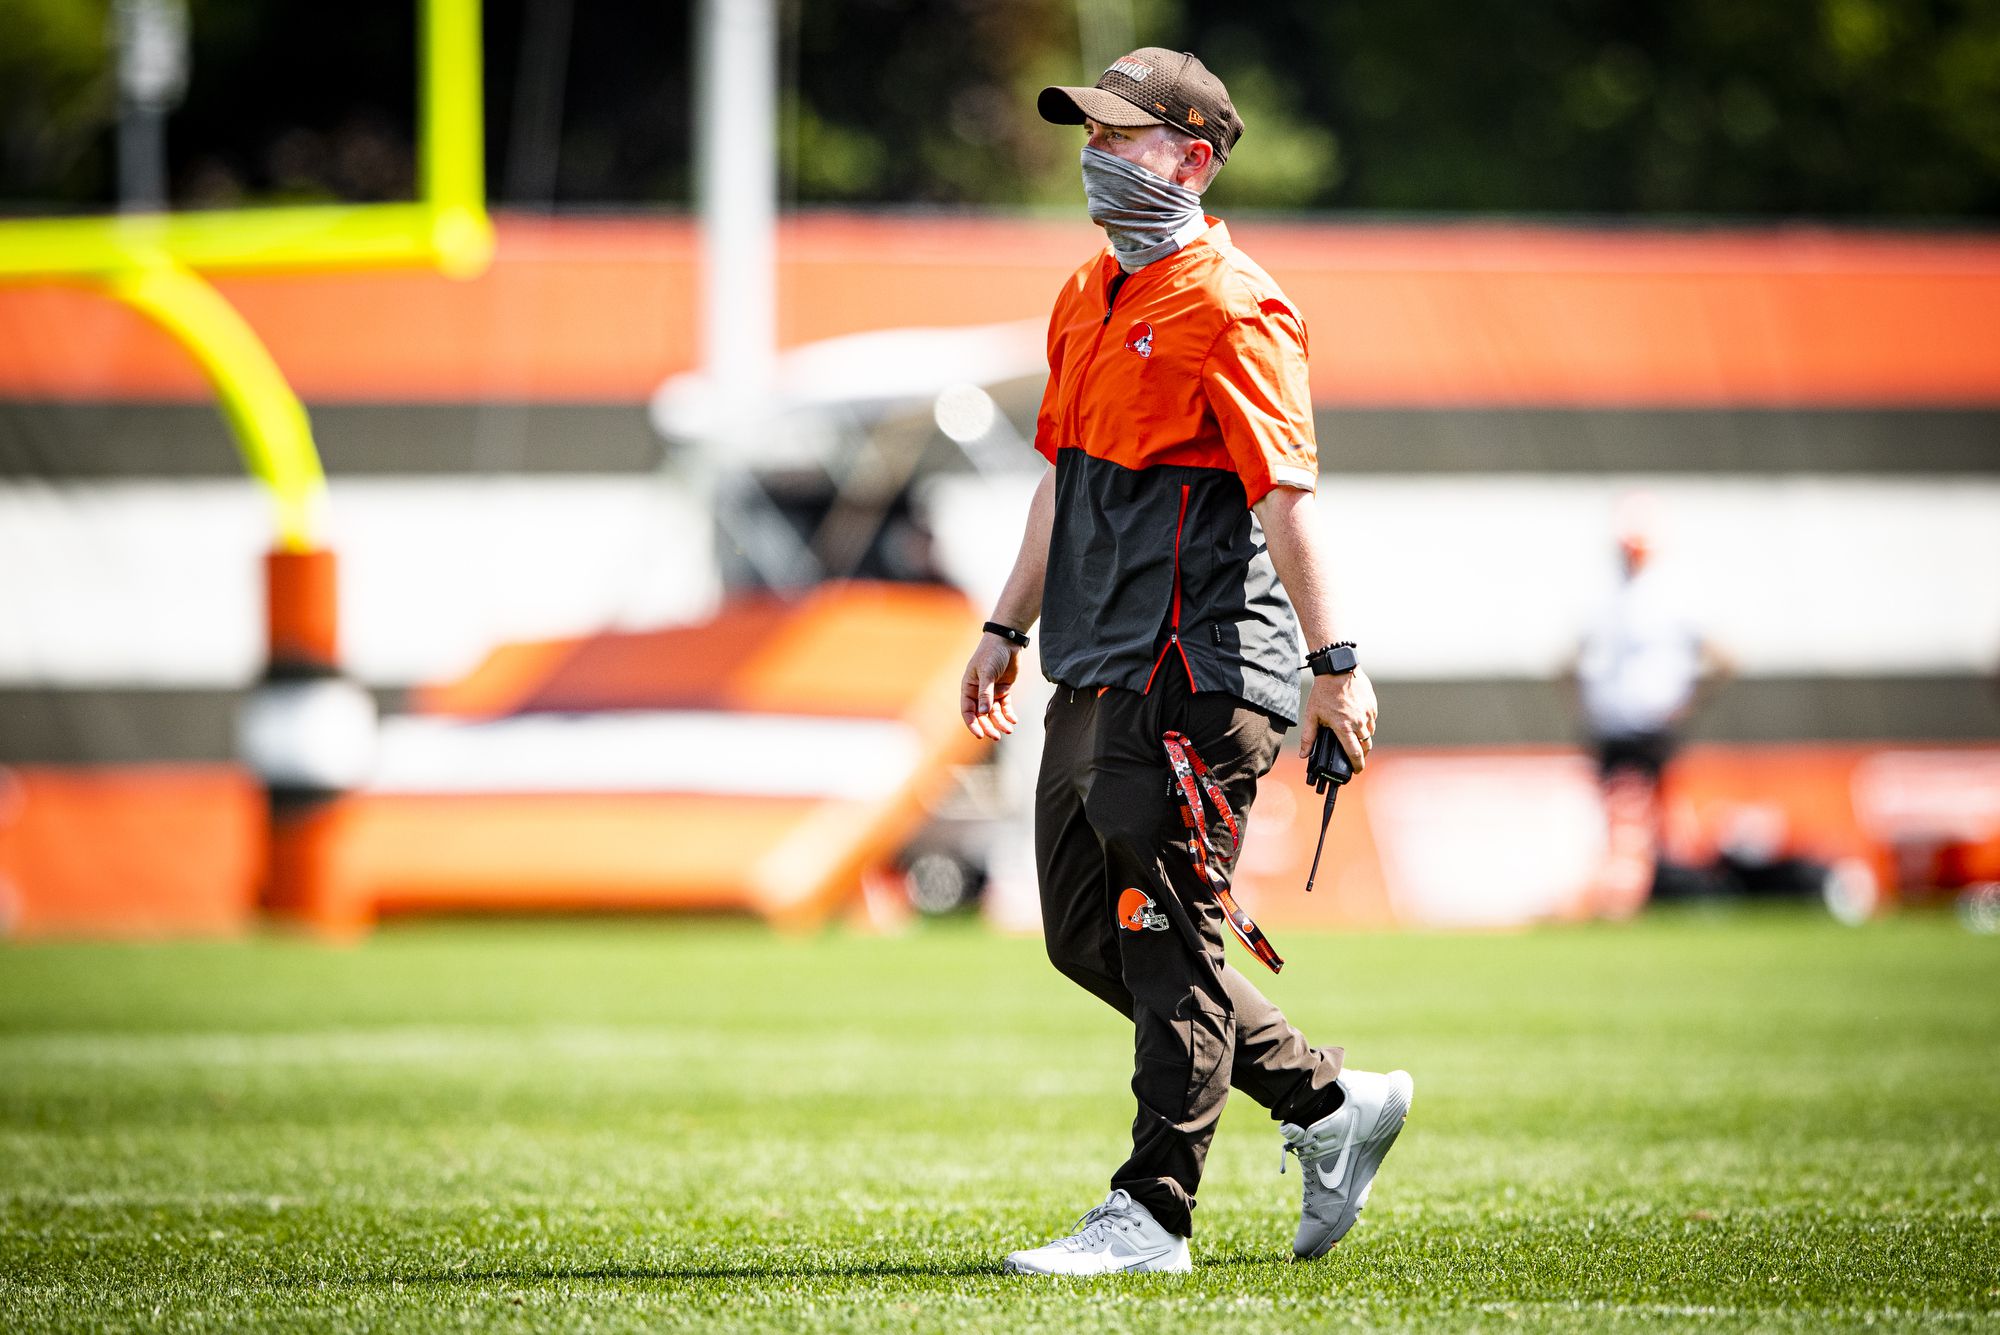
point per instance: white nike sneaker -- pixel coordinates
(1118, 1237)
(1338, 1155)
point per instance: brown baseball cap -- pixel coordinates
(1152, 86)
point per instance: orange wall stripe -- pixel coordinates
(601, 310)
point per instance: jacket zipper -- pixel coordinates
(1117, 284)
(1174, 624)
(1076, 421)
(1082, 372)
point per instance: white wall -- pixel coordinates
(1458, 577)
(161, 583)
(1494, 576)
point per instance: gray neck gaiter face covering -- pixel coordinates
(1147, 217)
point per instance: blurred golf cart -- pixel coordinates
(861, 465)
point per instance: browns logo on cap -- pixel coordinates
(1152, 86)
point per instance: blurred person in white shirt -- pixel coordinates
(1643, 668)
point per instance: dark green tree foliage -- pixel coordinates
(56, 95)
(1838, 108)
(930, 103)
(296, 103)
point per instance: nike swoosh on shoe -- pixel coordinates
(1332, 1179)
(1151, 1256)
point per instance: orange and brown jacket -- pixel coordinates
(1177, 399)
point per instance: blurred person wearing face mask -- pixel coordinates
(1173, 553)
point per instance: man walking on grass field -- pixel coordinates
(1165, 553)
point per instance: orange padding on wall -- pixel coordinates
(156, 850)
(138, 850)
(1441, 836)
(302, 608)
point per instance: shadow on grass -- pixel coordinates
(656, 1273)
(1253, 1261)
(667, 1273)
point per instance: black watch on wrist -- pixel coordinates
(1333, 660)
(1017, 638)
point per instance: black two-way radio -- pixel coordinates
(1326, 770)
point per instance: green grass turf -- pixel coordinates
(1746, 1121)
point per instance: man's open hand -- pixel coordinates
(1346, 704)
(986, 692)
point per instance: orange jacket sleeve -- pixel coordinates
(1045, 420)
(1255, 380)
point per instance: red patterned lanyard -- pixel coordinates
(1193, 779)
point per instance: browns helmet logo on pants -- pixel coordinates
(1138, 913)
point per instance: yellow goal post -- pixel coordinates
(155, 263)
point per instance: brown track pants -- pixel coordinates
(1107, 822)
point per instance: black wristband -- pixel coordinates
(1017, 638)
